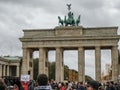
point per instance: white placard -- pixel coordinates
(25, 78)
(118, 75)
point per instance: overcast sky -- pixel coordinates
(16, 15)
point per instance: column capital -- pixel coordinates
(80, 48)
(115, 46)
(18, 65)
(41, 47)
(24, 48)
(58, 47)
(97, 46)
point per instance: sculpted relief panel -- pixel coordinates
(68, 31)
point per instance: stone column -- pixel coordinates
(81, 64)
(59, 71)
(119, 62)
(41, 65)
(98, 63)
(25, 64)
(4, 70)
(18, 71)
(114, 55)
(7, 70)
(0, 70)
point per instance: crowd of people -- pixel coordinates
(43, 84)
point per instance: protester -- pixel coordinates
(80, 86)
(31, 85)
(62, 86)
(111, 86)
(92, 85)
(43, 83)
(68, 86)
(17, 85)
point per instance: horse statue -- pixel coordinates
(60, 20)
(78, 20)
(70, 20)
(65, 21)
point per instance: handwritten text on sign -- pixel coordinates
(25, 77)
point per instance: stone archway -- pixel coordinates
(70, 37)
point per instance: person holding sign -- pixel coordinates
(42, 83)
(25, 79)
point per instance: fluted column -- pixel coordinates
(119, 62)
(114, 55)
(0, 70)
(81, 64)
(18, 71)
(4, 70)
(25, 63)
(7, 70)
(59, 72)
(42, 60)
(98, 64)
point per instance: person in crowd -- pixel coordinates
(117, 86)
(80, 86)
(111, 86)
(100, 87)
(31, 86)
(62, 86)
(107, 86)
(92, 85)
(42, 83)
(68, 86)
(2, 85)
(59, 85)
(17, 85)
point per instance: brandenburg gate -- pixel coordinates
(70, 38)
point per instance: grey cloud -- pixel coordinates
(92, 4)
(48, 6)
(116, 4)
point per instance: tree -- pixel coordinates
(66, 69)
(51, 70)
(35, 68)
